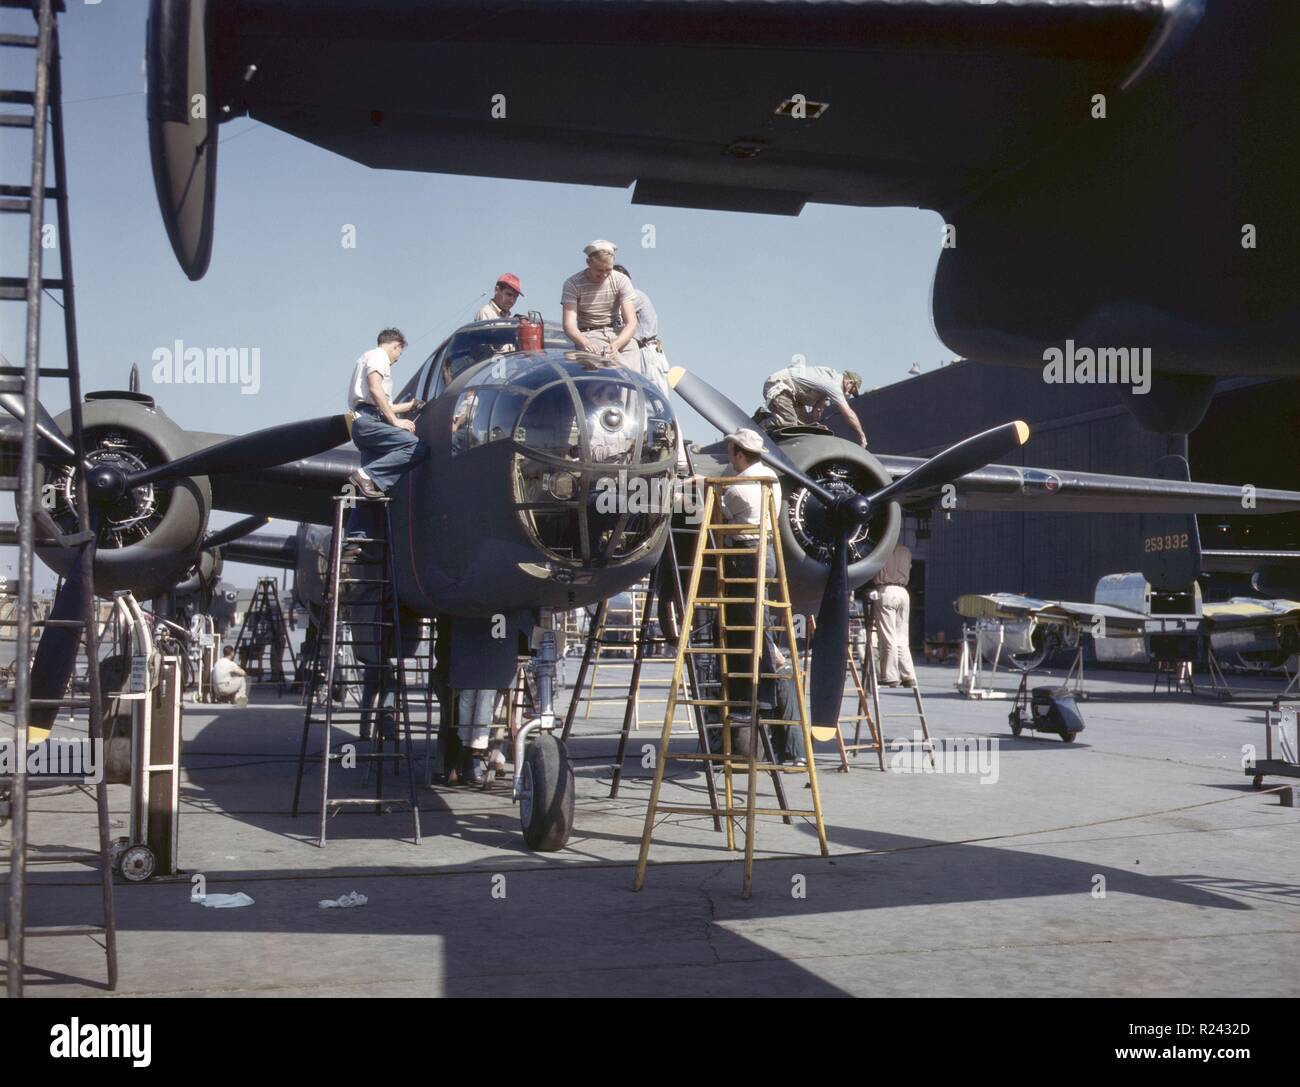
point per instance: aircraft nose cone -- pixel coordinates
(105, 484)
(857, 510)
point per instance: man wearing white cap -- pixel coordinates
(742, 505)
(594, 301)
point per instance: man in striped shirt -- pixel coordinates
(594, 301)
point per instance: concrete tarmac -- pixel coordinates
(1137, 861)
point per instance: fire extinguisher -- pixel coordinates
(531, 329)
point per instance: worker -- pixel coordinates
(507, 292)
(654, 363)
(742, 505)
(801, 393)
(609, 427)
(388, 445)
(229, 681)
(892, 607)
(599, 307)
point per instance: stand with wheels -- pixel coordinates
(1047, 709)
(1281, 758)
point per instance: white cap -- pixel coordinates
(748, 440)
(600, 245)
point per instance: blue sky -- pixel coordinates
(737, 295)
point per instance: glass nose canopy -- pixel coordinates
(593, 468)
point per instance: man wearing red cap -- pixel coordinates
(508, 291)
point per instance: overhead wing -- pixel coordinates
(1009, 487)
(691, 100)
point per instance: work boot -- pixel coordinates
(365, 485)
(355, 552)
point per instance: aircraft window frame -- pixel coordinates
(420, 379)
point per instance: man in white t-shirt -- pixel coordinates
(742, 505)
(508, 291)
(802, 393)
(389, 447)
(229, 681)
(600, 308)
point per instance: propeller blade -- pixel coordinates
(967, 456)
(830, 645)
(56, 650)
(727, 417)
(45, 424)
(260, 449)
(234, 532)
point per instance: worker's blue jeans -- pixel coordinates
(387, 452)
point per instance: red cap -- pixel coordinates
(511, 280)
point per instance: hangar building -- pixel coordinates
(1251, 434)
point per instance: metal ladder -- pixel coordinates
(264, 627)
(19, 393)
(754, 594)
(363, 616)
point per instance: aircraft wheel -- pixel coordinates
(546, 795)
(1068, 737)
(137, 864)
(1013, 719)
(1257, 781)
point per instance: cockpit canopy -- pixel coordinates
(594, 449)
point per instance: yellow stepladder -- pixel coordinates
(758, 597)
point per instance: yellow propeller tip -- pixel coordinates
(1022, 431)
(674, 376)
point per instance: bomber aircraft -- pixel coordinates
(501, 520)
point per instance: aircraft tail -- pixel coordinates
(1171, 549)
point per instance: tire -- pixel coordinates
(1257, 781)
(1068, 737)
(137, 864)
(1013, 719)
(546, 795)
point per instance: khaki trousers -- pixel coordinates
(894, 655)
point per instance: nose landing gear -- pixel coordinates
(544, 784)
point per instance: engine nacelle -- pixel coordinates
(151, 535)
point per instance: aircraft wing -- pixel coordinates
(301, 490)
(1119, 621)
(1010, 487)
(1246, 612)
(927, 100)
(263, 549)
(1242, 561)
